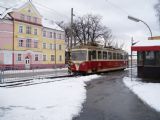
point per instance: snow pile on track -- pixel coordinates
(59, 100)
(147, 92)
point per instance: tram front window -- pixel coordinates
(79, 55)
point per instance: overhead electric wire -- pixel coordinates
(117, 7)
(51, 10)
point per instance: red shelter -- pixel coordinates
(148, 58)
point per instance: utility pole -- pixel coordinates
(70, 47)
(71, 28)
(131, 56)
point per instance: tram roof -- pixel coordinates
(96, 47)
(149, 45)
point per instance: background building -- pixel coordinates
(30, 41)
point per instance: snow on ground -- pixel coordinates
(59, 100)
(34, 70)
(147, 92)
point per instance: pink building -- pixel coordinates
(23, 45)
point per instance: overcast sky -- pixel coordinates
(114, 15)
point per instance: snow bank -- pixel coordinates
(60, 100)
(147, 92)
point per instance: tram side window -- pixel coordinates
(114, 55)
(89, 55)
(104, 55)
(121, 56)
(149, 58)
(99, 55)
(118, 56)
(109, 55)
(157, 57)
(94, 55)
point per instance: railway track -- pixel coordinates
(32, 81)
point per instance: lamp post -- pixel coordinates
(138, 20)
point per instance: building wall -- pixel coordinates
(6, 34)
(48, 51)
(30, 51)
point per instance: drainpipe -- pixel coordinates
(13, 44)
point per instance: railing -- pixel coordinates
(13, 74)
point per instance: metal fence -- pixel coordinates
(12, 74)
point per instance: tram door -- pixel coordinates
(27, 63)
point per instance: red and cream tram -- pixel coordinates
(91, 59)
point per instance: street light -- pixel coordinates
(138, 20)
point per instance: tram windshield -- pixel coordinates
(79, 55)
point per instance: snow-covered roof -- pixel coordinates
(149, 45)
(5, 12)
(51, 24)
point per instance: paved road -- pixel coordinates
(109, 99)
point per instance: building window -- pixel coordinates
(19, 57)
(59, 36)
(44, 33)
(50, 34)
(36, 57)
(44, 57)
(20, 29)
(44, 45)
(35, 44)
(60, 58)
(52, 57)
(20, 43)
(60, 47)
(54, 35)
(28, 43)
(50, 46)
(55, 47)
(35, 19)
(22, 17)
(28, 30)
(35, 32)
(29, 18)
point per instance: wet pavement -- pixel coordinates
(109, 99)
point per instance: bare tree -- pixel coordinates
(87, 29)
(157, 8)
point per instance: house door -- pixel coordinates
(27, 63)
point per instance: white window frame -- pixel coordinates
(28, 44)
(50, 34)
(45, 56)
(35, 43)
(35, 31)
(19, 57)
(53, 58)
(44, 33)
(20, 42)
(44, 45)
(36, 57)
(20, 28)
(60, 58)
(28, 30)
